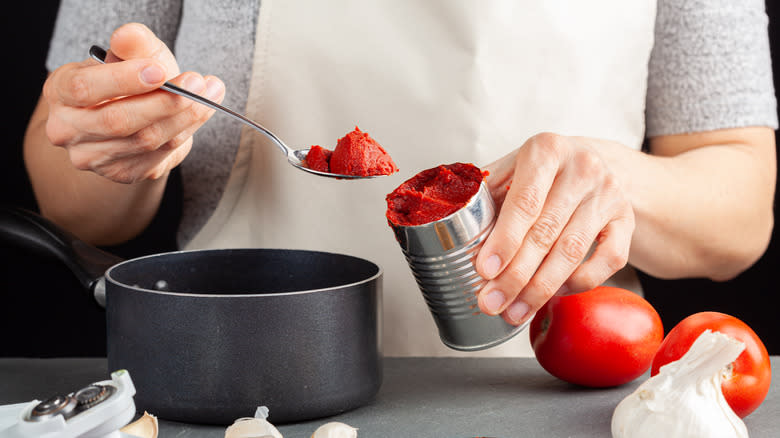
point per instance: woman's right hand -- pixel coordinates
(113, 120)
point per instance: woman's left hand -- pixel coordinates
(557, 197)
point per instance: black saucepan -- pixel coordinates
(210, 335)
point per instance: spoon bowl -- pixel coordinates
(296, 157)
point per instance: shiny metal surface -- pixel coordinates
(57, 405)
(441, 256)
(99, 292)
(296, 157)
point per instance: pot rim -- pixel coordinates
(109, 278)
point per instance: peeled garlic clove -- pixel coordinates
(144, 427)
(335, 429)
(685, 398)
(257, 427)
(252, 428)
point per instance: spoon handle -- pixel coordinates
(99, 54)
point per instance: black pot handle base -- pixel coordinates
(32, 231)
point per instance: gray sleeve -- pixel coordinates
(82, 23)
(710, 67)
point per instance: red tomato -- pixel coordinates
(751, 373)
(603, 337)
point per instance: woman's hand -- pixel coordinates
(557, 197)
(113, 120)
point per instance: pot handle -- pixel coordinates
(33, 231)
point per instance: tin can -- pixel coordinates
(441, 255)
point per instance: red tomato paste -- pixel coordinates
(355, 154)
(318, 158)
(433, 194)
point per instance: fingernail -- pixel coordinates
(494, 300)
(152, 74)
(213, 88)
(492, 265)
(517, 311)
(194, 83)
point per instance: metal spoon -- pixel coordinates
(296, 157)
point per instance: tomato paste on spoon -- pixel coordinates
(433, 194)
(355, 154)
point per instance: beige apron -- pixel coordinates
(434, 82)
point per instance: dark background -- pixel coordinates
(44, 312)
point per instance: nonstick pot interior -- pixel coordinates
(296, 331)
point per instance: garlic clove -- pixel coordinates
(684, 399)
(335, 429)
(144, 427)
(252, 428)
(257, 427)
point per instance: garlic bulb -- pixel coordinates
(684, 399)
(334, 429)
(257, 427)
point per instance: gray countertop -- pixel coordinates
(420, 397)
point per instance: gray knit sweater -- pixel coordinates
(710, 68)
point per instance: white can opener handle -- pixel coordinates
(96, 411)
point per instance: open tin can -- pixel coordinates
(441, 255)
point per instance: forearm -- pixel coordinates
(95, 209)
(703, 203)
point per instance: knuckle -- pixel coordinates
(586, 280)
(611, 183)
(169, 145)
(57, 133)
(120, 82)
(147, 139)
(616, 261)
(574, 247)
(548, 140)
(204, 115)
(178, 153)
(115, 121)
(589, 165)
(196, 113)
(176, 104)
(515, 277)
(181, 108)
(527, 201)
(80, 164)
(79, 90)
(160, 172)
(178, 140)
(545, 231)
(151, 175)
(543, 287)
(49, 90)
(548, 145)
(79, 160)
(154, 173)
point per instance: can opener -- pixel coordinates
(98, 410)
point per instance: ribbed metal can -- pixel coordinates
(441, 255)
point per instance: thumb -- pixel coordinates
(135, 40)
